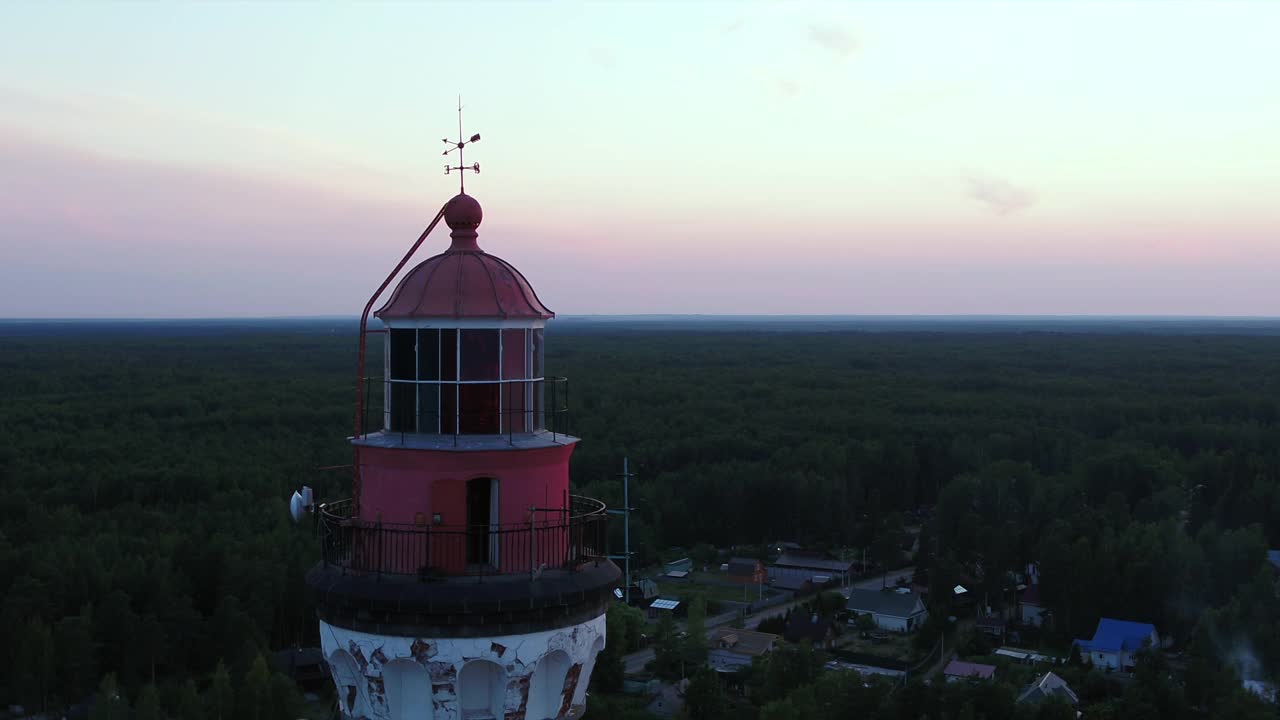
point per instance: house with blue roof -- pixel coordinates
(1115, 643)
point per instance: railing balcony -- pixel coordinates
(552, 539)
(452, 408)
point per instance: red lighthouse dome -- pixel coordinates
(464, 281)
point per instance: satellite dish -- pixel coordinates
(300, 503)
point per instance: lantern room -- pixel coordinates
(464, 343)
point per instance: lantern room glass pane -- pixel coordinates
(402, 352)
(449, 372)
(449, 354)
(537, 352)
(479, 408)
(515, 355)
(401, 366)
(513, 407)
(480, 354)
(539, 389)
(428, 354)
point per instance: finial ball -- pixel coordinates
(463, 213)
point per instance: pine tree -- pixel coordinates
(188, 705)
(148, 707)
(220, 699)
(111, 703)
(256, 698)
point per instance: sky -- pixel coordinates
(277, 158)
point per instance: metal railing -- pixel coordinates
(552, 538)
(468, 407)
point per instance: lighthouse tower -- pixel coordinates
(462, 579)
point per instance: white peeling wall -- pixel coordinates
(357, 660)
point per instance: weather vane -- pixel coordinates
(461, 167)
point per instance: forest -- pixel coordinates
(146, 547)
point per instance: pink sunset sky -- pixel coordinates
(274, 159)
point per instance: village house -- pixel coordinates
(992, 626)
(1030, 607)
(798, 583)
(1115, 642)
(730, 650)
(890, 609)
(815, 564)
(1048, 686)
(958, 670)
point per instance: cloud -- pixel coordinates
(1000, 196)
(120, 236)
(785, 87)
(602, 57)
(834, 38)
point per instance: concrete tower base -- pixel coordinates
(531, 676)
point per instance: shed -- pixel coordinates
(747, 571)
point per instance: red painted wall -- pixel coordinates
(396, 484)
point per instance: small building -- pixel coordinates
(818, 630)
(895, 611)
(990, 625)
(1115, 642)
(798, 583)
(958, 670)
(681, 565)
(747, 571)
(1030, 606)
(1048, 686)
(663, 605)
(816, 564)
(643, 591)
(730, 650)
(1027, 657)
(305, 666)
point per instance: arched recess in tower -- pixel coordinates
(408, 691)
(482, 690)
(347, 678)
(546, 688)
(584, 681)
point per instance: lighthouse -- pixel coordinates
(462, 579)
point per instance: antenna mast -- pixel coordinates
(625, 512)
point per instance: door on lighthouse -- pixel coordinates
(482, 519)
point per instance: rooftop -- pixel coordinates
(812, 562)
(464, 281)
(743, 642)
(1116, 635)
(959, 668)
(891, 604)
(1047, 686)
